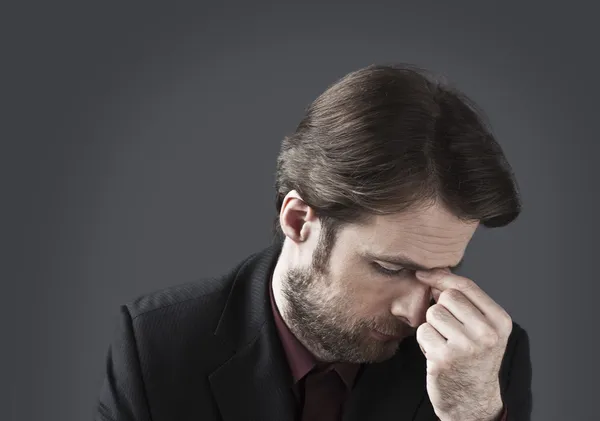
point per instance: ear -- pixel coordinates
(296, 217)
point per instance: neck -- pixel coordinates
(279, 272)
(284, 263)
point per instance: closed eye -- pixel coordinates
(387, 271)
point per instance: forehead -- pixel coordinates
(431, 236)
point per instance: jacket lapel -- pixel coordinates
(255, 383)
(394, 390)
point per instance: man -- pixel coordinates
(354, 312)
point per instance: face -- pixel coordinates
(368, 299)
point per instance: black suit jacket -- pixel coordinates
(210, 351)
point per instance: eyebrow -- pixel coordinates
(406, 262)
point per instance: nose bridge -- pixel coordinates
(413, 304)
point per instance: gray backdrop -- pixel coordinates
(142, 148)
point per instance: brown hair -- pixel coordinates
(387, 138)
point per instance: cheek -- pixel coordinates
(363, 291)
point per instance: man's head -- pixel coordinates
(388, 170)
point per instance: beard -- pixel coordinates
(325, 324)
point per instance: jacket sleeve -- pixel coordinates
(122, 396)
(517, 396)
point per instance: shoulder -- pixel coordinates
(518, 335)
(198, 302)
(517, 357)
(178, 297)
(517, 331)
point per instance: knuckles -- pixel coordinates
(489, 339)
(506, 324)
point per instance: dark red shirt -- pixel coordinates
(317, 393)
(302, 363)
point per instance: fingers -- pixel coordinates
(444, 280)
(430, 340)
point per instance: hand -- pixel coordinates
(463, 340)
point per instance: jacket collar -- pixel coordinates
(255, 383)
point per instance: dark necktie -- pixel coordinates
(324, 395)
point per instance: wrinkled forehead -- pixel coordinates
(432, 236)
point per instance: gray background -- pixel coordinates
(141, 152)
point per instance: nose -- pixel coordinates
(412, 306)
